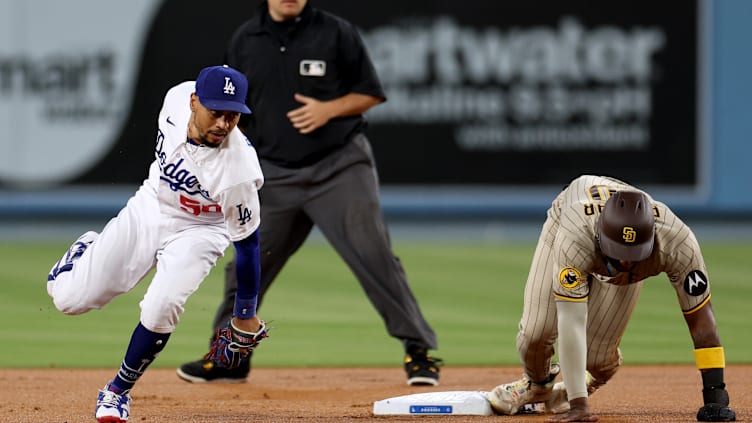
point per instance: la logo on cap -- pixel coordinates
(222, 88)
(229, 87)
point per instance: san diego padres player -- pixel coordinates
(200, 195)
(602, 238)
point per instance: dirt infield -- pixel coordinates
(636, 394)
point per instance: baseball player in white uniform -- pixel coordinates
(201, 194)
(602, 238)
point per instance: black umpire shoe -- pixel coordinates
(421, 368)
(205, 371)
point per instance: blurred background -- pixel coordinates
(492, 106)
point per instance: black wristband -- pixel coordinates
(713, 388)
(712, 378)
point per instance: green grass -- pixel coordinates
(470, 293)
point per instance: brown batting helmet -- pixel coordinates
(626, 227)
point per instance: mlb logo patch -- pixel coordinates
(312, 67)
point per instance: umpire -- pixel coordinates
(310, 81)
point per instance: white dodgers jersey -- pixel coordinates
(200, 184)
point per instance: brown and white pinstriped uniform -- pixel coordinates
(568, 266)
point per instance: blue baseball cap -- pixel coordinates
(222, 88)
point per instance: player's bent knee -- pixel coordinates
(531, 343)
(161, 315)
(603, 371)
(70, 306)
(68, 301)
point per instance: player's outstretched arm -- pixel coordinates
(248, 269)
(233, 343)
(711, 361)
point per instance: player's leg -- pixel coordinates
(609, 309)
(112, 263)
(182, 264)
(537, 333)
(537, 328)
(135, 237)
(345, 205)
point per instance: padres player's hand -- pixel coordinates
(232, 346)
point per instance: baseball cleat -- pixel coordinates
(205, 371)
(112, 407)
(509, 398)
(558, 403)
(421, 368)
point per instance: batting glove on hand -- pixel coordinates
(232, 346)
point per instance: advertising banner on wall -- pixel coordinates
(535, 92)
(483, 96)
(66, 82)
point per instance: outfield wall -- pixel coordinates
(492, 106)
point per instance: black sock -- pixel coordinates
(143, 348)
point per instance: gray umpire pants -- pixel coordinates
(340, 195)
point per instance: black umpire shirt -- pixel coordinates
(317, 54)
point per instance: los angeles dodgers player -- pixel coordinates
(201, 194)
(601, 239)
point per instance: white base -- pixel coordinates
(436, 403)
